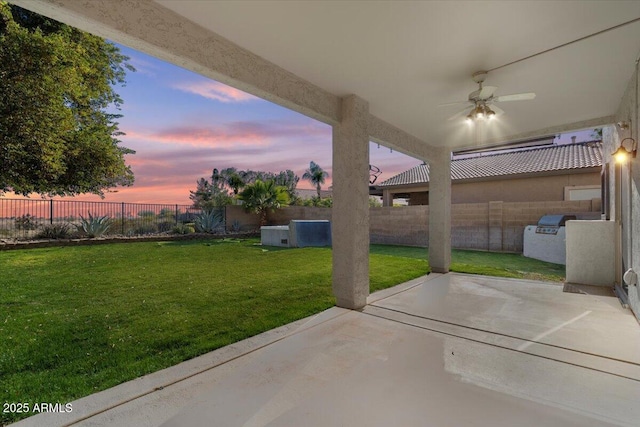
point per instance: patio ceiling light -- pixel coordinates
(623, 152)
(480, 112)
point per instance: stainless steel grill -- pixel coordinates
(550, 224)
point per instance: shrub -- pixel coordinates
(187, 217)
(54, 231)
(165, 226)
(183, 229)
(26, 222)
(209, 221)
(374, 203)
(147, 214)
(315, 201)
(94, 226)
(236, 226)
(148, 228)
(168, 214)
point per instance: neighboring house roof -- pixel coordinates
(514, 162)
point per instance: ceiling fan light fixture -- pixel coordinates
(479, 112)
(490, 113)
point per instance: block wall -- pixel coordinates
(494, 226)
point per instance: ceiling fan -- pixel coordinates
(482, 101)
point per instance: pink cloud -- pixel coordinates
(200, 137)
(231, 134)
(214, 90)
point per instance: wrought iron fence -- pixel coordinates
(25, 219)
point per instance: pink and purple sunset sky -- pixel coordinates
(183, 125)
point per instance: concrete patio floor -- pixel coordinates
(442, 350)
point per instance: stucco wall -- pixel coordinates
(530, 189)
(534, 189)
(590, 252)
(626, 208)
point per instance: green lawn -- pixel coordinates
(76, 320)
(487, 263)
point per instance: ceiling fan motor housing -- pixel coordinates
(479, 76)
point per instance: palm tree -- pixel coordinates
(262, 196)
(316, 175)
(235, 182)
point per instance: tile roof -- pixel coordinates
(514, 162)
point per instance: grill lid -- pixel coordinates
(554, 220)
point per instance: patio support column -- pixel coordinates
(387, 198)
(440, 211)
(350, 214)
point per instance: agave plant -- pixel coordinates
(209, 221)
(94, 226)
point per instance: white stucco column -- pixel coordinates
(350, 214)
(440, 211)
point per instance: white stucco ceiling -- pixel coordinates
(405, 58)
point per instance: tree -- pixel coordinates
(56, 136)
(316, 175)
(596, 134)
(289, 180)
(231, 180)
(208, 196)
(263, 196)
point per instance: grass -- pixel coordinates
(487, 263)
(76, 320)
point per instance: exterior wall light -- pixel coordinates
(628, 148)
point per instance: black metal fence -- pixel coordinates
(25, 219)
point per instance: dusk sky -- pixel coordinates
(183, 125)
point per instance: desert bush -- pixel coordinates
(187, 216)
(147, 214)
(165, 226)
(55, 231)
(167, 214)
(183, 229)
(26, 222)
(147, 228)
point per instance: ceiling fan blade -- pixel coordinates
(515, 97)
(499, 111)
(460, 113)
(451, 104)
(486, 92)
